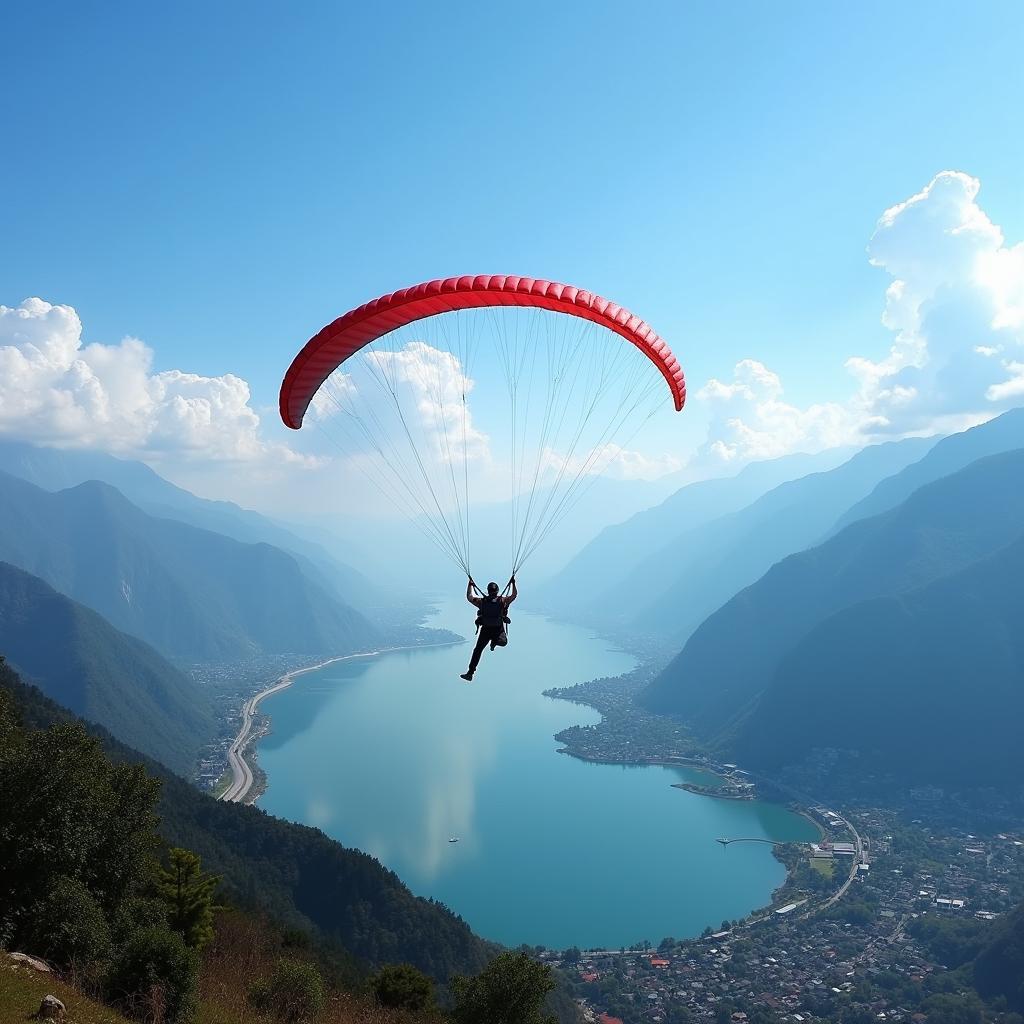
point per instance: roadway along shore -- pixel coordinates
(242, 780)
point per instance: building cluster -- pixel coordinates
(816, 957)
(230, 685)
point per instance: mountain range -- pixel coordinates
(670, 592)
(79, 660)
(924, 686)
(615, 552)
(191, 593)
(940, 529)
(58, 469)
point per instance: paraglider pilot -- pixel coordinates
(491, 618)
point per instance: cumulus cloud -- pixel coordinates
(417, 376)
(955, 304)
(56, 390)
(611, 460)
(750, 420)
(955, 307)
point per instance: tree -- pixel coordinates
(510, 990)
(403, 987)
(188, 893)
(155, 976)
(66, 812)
(70, 929)
(953, 1009)
(294, 993)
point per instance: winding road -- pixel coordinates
(242, 780)
(241, 773)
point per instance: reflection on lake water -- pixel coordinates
(395, 755)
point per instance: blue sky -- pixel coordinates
(220, 180)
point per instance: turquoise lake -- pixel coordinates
(396, 755)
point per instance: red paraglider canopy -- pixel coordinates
(337, 341)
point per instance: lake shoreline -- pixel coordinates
(249, 782)
(469, 794)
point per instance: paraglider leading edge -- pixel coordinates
(359, 327)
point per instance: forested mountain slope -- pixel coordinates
(941, 528)
(193, 594)
(296, 873)
(74, 656)
(927, 686)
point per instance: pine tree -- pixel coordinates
(188, 893)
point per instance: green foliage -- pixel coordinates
(67, 813)
(953, 1009)
(952, 941)
(403, 987)
(155, 973)
(188, 894)
(68, 927)
(300, 876)
(999, 967)
(511, 989)
(293, 994)
(852, 912)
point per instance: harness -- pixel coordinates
(491, 612)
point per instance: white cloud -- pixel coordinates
(750, 420)
(955, 307)
(55, 390)
(440, 391)
(613, 461)
(957, 300)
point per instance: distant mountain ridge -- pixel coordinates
(1001, 434)
(669, 594)
(103, 675)
(927, 686)
(939, 529)
(193, 594)
(615, 552)
(58, 469)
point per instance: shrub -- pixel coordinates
(403, 987)
(69, 928)
(293, 994)
(511, 989)
(155, 976)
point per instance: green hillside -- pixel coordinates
(927, 687)
(942, 527)
(101, 674)
(296, 873)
